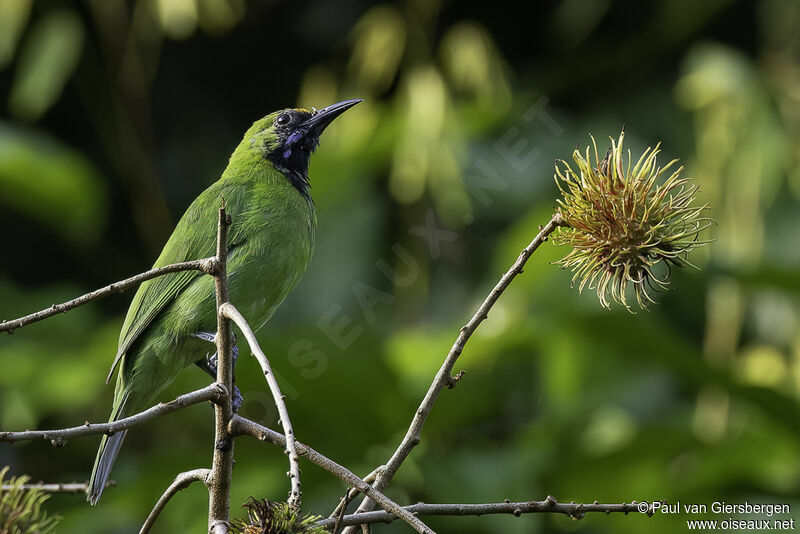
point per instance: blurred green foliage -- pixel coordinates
(116, 114)
(21, 509)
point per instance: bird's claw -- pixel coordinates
(236, 399)
(211, 337)
(209, 365)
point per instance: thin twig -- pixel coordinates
(59, 487)
(443, 376)
(219, 487)
(295, 495)
(549, 505)
(181, 482)
(213, 392)
(241, 426)
(349, 495)
(206, 265)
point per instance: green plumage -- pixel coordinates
(270, 242)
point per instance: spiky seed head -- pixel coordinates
(268, 517)
(623, 222)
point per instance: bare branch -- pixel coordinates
(61, 487)
(206, 265)
(241, 426)
(549, 505)
(341, 509)
(443, 376)
(295, 495)
(181, 482)
(219, 485)
(214, 392)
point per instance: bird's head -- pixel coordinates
(288, 137)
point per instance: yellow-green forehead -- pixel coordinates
(275, 114)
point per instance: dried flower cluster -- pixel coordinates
(621, 223)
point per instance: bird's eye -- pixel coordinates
(283, 119)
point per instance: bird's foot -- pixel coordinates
(211, 337)
(209, 365)
(236, 400)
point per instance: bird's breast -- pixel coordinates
(270, 263)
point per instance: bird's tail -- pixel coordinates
(106, 456)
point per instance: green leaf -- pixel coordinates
(48, 57)
(51, 184)
(15, 17)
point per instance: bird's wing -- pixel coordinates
(194, 238)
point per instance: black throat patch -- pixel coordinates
(296, 174)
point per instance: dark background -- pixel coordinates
(114, 115)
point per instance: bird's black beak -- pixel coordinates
(320, 119)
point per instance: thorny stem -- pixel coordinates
(229, 311)
(213, 392)
(219, 480)
(549, 505)
(206, 265)
(444, 376)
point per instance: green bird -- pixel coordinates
(172, 318)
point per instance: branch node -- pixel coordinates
(210, 266)
(453, 380)
(223, 445)
(221, 394)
